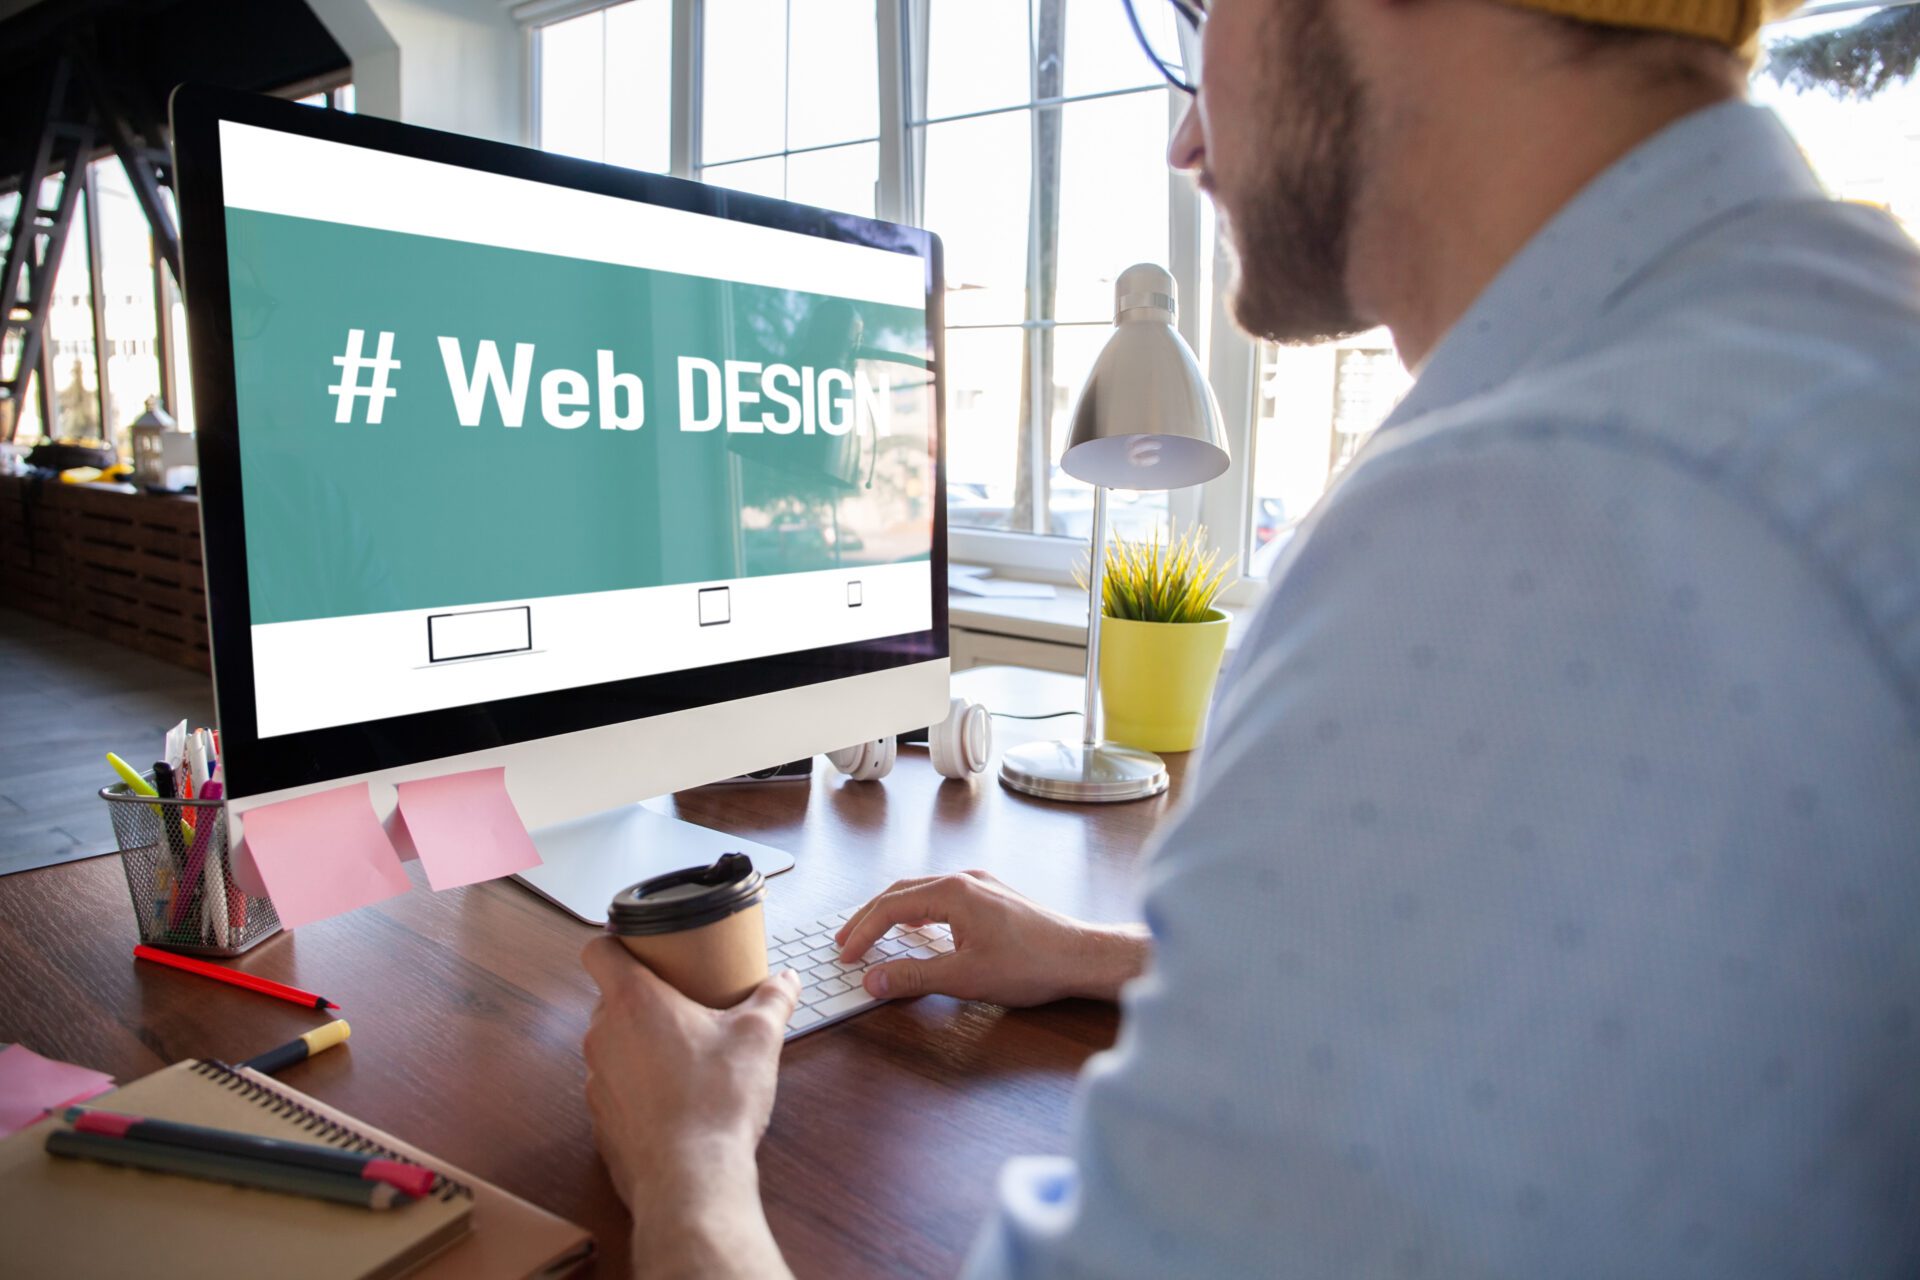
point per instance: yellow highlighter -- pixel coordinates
(318, 1040)
(141, 787)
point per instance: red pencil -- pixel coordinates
(265, 986)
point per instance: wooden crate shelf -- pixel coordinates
(107, 560)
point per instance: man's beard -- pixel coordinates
(1290, 225)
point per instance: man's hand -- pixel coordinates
(1006, 949)
(680, 1096)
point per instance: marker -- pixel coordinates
(318, 1040)
(265, 986)
(214, 1167)
(140, 787)
(410, 1178)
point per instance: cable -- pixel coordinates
(1051, 715)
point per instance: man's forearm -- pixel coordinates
(1114, 956)
(707, 1222)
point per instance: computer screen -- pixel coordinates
(516, 456)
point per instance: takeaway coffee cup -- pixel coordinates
(701, 929)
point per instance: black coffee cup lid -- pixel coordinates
(686, 899)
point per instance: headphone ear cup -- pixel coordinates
(976, 738)
(962, 743)
(868, 762)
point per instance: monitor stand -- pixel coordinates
(588, 860)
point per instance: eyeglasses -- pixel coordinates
(1173, 43)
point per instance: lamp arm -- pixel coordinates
(1096, 590)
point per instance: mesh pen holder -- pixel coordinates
(180, 877)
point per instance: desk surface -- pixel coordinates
(468, 1008)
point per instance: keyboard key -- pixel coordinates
(890, 946)
(921, 953)
(823, 972)
(834, 986)
(941, 945)
(793, 934)
(803, 1017)
(844, 1002)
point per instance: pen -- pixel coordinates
(265, 986)
(217, 1167)
(137, 784)
(318, 1040)
(410, 1178)
(197, 775)
(176, 843)
(196, 866)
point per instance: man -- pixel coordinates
(1546, 903)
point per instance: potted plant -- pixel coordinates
(1161, 639)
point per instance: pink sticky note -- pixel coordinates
(30, 1085)
(464, 828)
(323, 855)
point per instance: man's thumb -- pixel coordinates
(778, 994)
(900, 978)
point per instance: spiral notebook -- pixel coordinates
(79, 1218)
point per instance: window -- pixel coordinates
(73, 398)
(1315, 407)
(339, 97)
(116, 329)
(130, 318)
(788, 98)
(1013, 120)
(1863, 149)
(1058, 104)
(604, 85)
(790, 101)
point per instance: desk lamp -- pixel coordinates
(1146, 420)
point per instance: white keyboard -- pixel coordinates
(832, 990)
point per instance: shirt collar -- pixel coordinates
(1697, 171)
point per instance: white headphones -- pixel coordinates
(960, 746)
(868, 761)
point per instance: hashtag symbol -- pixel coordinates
(376, 391)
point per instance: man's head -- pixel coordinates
(1307, 124)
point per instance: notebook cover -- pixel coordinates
(511, 1238)
(77, 1217)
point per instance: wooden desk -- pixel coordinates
(468, 1009)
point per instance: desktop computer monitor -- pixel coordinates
(624, 483)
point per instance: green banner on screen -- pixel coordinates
(428, 423)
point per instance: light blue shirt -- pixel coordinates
(1546, 902)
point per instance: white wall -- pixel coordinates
(458, 65)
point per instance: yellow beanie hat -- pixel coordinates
(1728, 22)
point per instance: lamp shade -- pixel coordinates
(1146, 418)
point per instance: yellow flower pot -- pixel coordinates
(1156, 679)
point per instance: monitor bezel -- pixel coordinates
(254, 765)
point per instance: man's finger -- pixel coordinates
(774, 998)
(901, 978)
(614, 968)
(923, 902)
(912, 882)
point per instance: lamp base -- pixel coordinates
(1086, 775)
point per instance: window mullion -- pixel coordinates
(893, 29)
(97, 293)
(683, 116)
(1185, 507)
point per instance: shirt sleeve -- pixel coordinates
(1531, 910)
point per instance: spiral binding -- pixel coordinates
(313, 1123)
